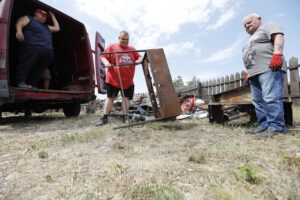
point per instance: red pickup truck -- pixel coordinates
(74, 75)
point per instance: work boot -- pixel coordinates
(24, 85)
(253, 131)
(103, 121)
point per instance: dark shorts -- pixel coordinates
(112, 91)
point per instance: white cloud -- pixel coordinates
(178, 49)
(223, 19)
(149, 21)
(225, 54)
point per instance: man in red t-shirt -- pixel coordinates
(112, 80)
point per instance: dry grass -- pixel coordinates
(52, 157)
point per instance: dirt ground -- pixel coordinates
(49, 156)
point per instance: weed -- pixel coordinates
(198, 158)
(33, 147)
(43, 154)
(67, 139)
(292, 159)
(80, 138)
(230, 192)
(249, 174)
(155, 192)
(118, 168)
(49, 178)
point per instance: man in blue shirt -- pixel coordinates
(36, 50)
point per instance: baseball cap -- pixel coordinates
(40, 10)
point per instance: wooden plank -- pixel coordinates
(231, 83)
(237, 80)
(241, 94)
(226, 83)
(222, 89)
(294, 76)
(243, 82)
(218, 86)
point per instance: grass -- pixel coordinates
(292, 159)
(67, 139)
(172, 126)
(153, 191)
(249, 174)
(202, 160)
(43, 154)
(198, 158)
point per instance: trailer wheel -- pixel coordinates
(71, 110)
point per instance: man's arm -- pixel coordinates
(139, 60)
(278, 40)
(55, 27)
(276, 60)
(21, 23)
(105, 62)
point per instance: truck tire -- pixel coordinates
(72, 109)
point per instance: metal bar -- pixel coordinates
(117, 52)
(122, 88)
(139, 123)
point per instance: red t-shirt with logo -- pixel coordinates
(127, 71)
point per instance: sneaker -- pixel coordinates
(24, 85)
(267, 133)
(255, 130)
(102, 122)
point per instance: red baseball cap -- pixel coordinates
(40, 10)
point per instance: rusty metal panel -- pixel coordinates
(157, 74)
(241, 94)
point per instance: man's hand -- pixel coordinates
(276, 62)
(139, 61)
(20, 36)
(107, 64)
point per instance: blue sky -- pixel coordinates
(202, 38)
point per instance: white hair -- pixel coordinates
(251, 15)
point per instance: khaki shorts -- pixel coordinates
(46, 74)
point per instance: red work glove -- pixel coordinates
(276, 62)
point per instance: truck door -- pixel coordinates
(4, 24)
(100, 70)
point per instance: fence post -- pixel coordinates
(200, 90)
(218, 85)
(231, 84)
(222, 85)
(243, 83)
(237, 82)
(214, 86)
(294, 79)
(226, 83)
(210, 90)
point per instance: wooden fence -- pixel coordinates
(205, 90)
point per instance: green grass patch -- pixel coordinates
(154, 191)
(43, 154)
(118, 168)
(67, 139)
(249, 174)
(197, 158)
(292, 159)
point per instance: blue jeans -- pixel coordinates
(267, 98)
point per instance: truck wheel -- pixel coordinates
(71, 110)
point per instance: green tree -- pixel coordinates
(193, 82)
(178, 82)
